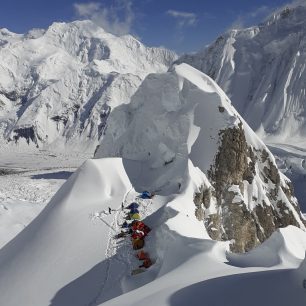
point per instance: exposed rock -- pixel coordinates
(271, 173)
(264, 156)
(232, 175)
(207, 195)
(286, 216)
(240, 225)
(231, 161)
(265, 219)
(200, 213)
(203, 197)
(213, 225)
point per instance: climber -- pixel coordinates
(109, 210)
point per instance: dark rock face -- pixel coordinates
(237, 171)
(231, 161)
(28, 133)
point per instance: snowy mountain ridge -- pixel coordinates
(58, 86)
(182, 115)
(225, 226)
(262, 70)
(171, 140)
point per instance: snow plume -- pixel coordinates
(183, 18)
(252, 17)
(116, 19)
(296, 3)
(262, 10)
(290, 5)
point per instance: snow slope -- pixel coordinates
(70, 249)
(262, 70)
(73, 257)
(27, 183)
(161, 125)
(291, 161)
(204, 278)
(57, 86)
(181, 115)
(63, 242)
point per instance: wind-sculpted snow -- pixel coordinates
(75, 259)
(64, 241)
(58, 86)
(262, 69)
(183, 115)
(184, 120)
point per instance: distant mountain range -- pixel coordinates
(262, 69)
(57, 86)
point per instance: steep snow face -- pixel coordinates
(262, 69)
(160, 127)
(65, 243)
(58, 86)
(183, 115)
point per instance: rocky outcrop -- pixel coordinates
(243, 216)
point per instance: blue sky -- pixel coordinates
(181, 25)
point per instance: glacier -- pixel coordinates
(58, 86)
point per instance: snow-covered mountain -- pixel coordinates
(262, 70)
(58, 86)
(171, 139)
(185, 115)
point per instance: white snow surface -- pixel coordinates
(70, 254)
(27, 183)
(174, 117)
(64, 241)
(262, 70)
(291, 160)
(171, 110)
(57, 86)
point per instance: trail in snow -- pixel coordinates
(119, 250)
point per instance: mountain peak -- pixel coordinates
(83, 26)
(262, 70)
(290, 14)
(242, 184)
(57, 86)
